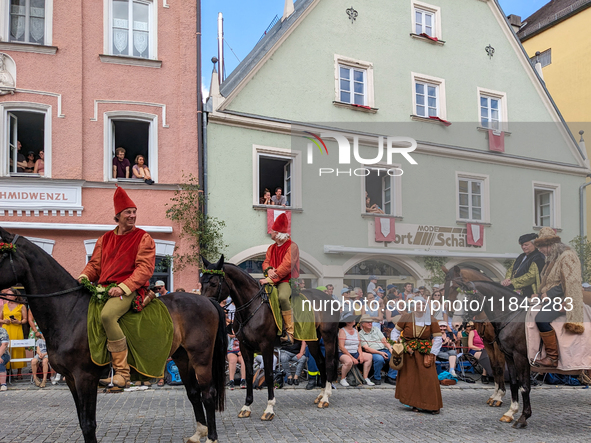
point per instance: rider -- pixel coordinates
(524, 273)
(561, 278)
(125, 256)
(281, 264)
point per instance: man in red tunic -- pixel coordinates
(125, 256)
(282, 263)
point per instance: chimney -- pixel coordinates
(515, 22)
(288, 9)
(538, 66)
(221, 48)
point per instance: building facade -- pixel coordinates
(78, 81)
(557, 32)
(317, 105)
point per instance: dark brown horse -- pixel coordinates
(509, 325)
(255, 328)
(198, 347)
(484, 328)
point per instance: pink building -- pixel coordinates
(77, 81)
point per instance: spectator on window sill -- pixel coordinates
(371, 209)
(266, 198)
(140, 170)
(40, 164)
(120, 164)
(30, 162)
(279, 199)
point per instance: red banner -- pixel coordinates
(475, 235)
(496, 140)
(385, 229)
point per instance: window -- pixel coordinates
(546, 204)
(26, 140)
(492, 107)
(424, 22)
(545, 58)
(426, 19)
(137, 134)
(353, 82)
(429, 96)
(277, 168)
(132, 29)
(27, 21)
(472, 196)
(382, 186)
(275, 174)
(352, 85)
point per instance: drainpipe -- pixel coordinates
(199, 96)
(582, 219)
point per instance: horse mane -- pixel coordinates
(246, 274)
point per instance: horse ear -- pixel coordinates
(457, 272)
(444, 269)
(205, 262)
(220, 264)
(4, 234)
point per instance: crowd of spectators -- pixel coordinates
(122, 167)
(33, 163)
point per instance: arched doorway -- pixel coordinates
(387, 273)
(254, 266)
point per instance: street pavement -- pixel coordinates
(560, 414)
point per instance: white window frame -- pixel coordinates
(108, 140)
(434, 10)
(108, 32)
(296, 172)
(395, 186)
(5, 24)
(556, 221)
(7, 107)
(441, 97)
(348, 62)
(485, 196)
(503, 109)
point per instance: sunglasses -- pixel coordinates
(157, 288)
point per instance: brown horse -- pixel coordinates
(255, 328)
(198, 347)
(485, 329)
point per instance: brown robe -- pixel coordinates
(416, 385)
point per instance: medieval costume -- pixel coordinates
(283, 257)
(524, 273)
(127, 260)
(417, 384)
(561, 277)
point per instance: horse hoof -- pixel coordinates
(506, 419)
(317, 399)
(267, 416)
(490, 402)
(244, 414)
(519, 425)
(323, 404)
(497, 403)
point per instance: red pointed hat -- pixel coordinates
(281, 224)
(122, 200)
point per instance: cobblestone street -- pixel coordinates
(355, 415)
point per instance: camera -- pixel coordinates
(12, 317)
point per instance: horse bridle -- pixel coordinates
(261, 291)
(9, 255)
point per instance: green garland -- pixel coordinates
(7, 247)
(214, 272)
(99, 293)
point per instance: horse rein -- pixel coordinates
(53, 294)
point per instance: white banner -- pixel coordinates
(23, 197)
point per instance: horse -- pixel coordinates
(198, 347)
(495, 300)
(484, 329)
(256, 330)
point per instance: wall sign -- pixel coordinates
(46, 199)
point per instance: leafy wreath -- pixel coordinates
(7, 247)
(100, 294)
(214, 272)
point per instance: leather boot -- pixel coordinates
(287, 337)
(551, 345)
(311, 382)
(118, 350)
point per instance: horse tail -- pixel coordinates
(219, 359)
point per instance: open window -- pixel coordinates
(276, 172)
(137, 134)
(382, 191)
(25, 143)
